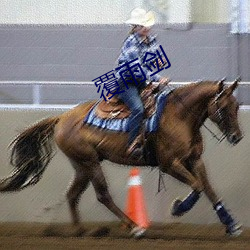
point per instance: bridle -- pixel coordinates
(218, 114)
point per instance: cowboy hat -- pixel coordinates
(141, 17)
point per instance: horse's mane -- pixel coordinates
(185, 91)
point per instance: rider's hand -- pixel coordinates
(164, 80)
(160, 63)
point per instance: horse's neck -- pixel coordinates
(195, 102)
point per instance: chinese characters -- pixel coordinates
(131, 72)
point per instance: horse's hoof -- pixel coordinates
(138, 232)
(174, 209)
(234, 229)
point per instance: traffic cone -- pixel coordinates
(136, 209)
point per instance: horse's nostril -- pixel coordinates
(235, 139)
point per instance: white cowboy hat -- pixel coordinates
(141, 17)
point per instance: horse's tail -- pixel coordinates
(31, 152)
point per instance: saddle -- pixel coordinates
(115, 108)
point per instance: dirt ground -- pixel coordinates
(114, 236)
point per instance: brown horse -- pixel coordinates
(177, 145)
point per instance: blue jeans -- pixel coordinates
(132, 99)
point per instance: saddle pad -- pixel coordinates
(151, 124)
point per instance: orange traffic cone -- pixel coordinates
(136, 209)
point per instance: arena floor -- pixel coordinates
(169, 236)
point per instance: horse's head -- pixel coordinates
(223, 111)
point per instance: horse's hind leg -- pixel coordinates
(78, 186)
(101, 188)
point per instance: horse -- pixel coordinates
(177, 145)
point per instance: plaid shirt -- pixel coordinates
(133, 48)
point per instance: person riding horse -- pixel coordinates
(136, 45)
(86, 146)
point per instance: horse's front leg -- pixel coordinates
(181, 173)
(177, 168)
(232, 227)
(183, 206)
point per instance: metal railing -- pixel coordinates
(61, 95)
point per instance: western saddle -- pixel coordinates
(115, 108)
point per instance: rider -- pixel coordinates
(135, 46)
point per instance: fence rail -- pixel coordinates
(85, 83)
(70, 93)
(48, 107)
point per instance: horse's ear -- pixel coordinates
(221, 85)
(235, 84)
